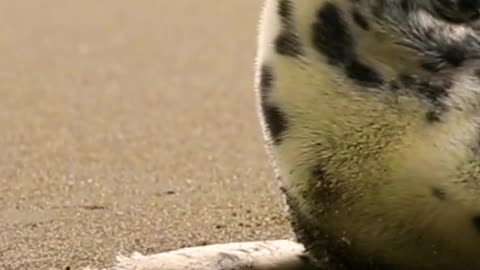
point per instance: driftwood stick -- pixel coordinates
(265, 255)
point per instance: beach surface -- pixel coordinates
(129, 126)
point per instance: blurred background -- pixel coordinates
(129, 126)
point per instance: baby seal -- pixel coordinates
(371, 114)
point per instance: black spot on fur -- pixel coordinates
(457, 11)
(446, 3)
(468, 5)
(433, 116)
(266, 80)
(285, 10)
(363, 74)
(288, 44)
(275, 121)
(332, 38)
(434, 88)
(476, 222)
(360, 20)
(439, 193)
(432, 66)
(449, 57)
(455, 56)
(330, 35)
(405, 5)
(323, 188)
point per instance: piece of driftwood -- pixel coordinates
(264, 255)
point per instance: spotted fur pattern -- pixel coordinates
(370, 111)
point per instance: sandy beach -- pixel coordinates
(129, 126)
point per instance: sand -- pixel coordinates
(129, 126)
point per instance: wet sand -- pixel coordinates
(129, 126)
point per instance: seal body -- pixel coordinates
(370, 110)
